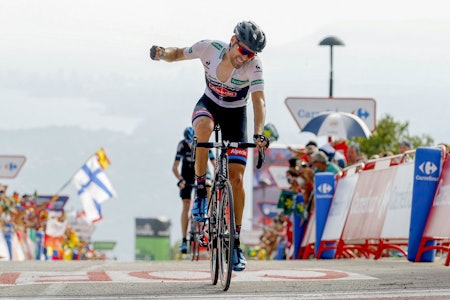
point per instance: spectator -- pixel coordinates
(297, 153)
(293, 164)
(307, 173)
(334, 156)
(321, 163)
(445, 146)
(354, 155)
(270, 237)
(375, 156)
(311, 148)
(404, 147)
(295, 182)
(386, 154)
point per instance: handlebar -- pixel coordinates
(228, 145)
(261, 157)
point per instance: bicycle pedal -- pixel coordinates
(202, 241)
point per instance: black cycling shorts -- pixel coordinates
(232, 121)
(186, 193)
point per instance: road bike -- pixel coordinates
(197, 237)
(221, 227)
(196, 234)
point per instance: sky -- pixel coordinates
(85, 65)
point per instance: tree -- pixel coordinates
(388, 135)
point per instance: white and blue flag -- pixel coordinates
(94, 188)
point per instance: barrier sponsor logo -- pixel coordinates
(324, 188)
(428, 168)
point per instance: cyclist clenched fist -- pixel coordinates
(156, 52)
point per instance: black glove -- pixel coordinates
(262, 138)
(181, 181)
(154, 50)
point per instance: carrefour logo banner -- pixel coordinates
(324, 188)
(324, 185)
(427, 170)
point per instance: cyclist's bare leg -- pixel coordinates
(237, 182)
(203, 127)
(185, 216)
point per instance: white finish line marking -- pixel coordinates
(23, 278)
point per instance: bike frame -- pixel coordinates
(221, 222)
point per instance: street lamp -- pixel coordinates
(331, 41)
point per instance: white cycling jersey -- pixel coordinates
(242, 82)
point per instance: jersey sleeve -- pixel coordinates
(196, 50)
(255, 73)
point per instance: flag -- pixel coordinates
(102, 158)
(271, 132)
(93, 187)
(54, 227)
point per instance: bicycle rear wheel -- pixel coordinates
(226, 235)
(194, 244)
(212, 236)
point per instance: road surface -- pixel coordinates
(387, 278)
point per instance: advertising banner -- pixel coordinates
(337, 215)
(368, 209)
(438, 224)
(427, 170)
(152, 239)
(303, 109)
(324, 184)
(10, 165)
(398, 215)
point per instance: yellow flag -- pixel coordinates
(102, 158)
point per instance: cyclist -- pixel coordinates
(186, 179)
(233, 71)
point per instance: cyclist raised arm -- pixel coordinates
(167, 54)
(233, 72)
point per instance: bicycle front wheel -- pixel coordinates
(212, 236)
(226, 234)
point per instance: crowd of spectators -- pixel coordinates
(35, 231)
(305, 163)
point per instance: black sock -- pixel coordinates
(237, 241)
(201, 186)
